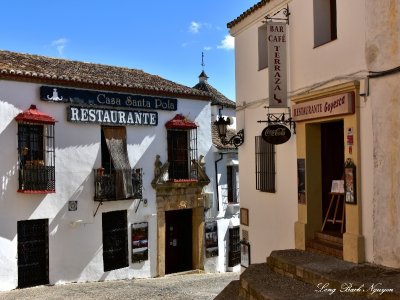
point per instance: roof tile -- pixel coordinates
(29, 66)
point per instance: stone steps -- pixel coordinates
(326, 243)
(297, 274)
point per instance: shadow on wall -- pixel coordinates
(14, 206)
(75, 238)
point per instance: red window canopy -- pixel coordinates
(180, 122)
(35, 116)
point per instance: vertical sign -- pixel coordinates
(276, 33)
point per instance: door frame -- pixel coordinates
(308, 140)
(177, 196)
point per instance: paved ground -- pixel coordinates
(180, 287)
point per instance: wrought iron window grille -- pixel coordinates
(36, 158)
(182, 154)
(234, 246)
(265, 165)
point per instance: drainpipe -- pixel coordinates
(216, 177)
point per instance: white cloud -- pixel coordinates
(60, 45)
(227, 43)
(207, 48)
(194, 27)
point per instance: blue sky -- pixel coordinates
(161, 37)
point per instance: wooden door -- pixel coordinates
(178, 241)
(33, 252)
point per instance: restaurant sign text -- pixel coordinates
(97, 115)
(89, 97)
(325, 107)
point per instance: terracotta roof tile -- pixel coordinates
(34, 67)
(216, 140)
(247, 13)
(217, 98)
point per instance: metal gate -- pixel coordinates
(33, 252)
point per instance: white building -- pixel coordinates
(223, 210)
(342, 61)
(105, 173)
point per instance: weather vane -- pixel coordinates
(202, 60)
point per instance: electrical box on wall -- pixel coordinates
(208, 200)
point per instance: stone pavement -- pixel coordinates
(202, 286)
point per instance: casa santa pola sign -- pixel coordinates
(89, 97)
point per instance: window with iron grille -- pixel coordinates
(232, 183)
(265, 165)
(234, 246)
(182, 150)
(115, 240)
(36, 157)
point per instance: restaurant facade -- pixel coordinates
(105, 173)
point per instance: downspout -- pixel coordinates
(216, 177)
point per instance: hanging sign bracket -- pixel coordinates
(285, 11)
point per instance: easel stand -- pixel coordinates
(336, 197)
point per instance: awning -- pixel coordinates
(33, 115)
(180, 122)
(116, 144)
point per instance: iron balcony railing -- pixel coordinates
(105, 186)
(36, 178)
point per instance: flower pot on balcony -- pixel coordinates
(100, 172)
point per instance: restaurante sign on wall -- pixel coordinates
(325, 107)
(80, 114)
(73, 96)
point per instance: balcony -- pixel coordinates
(106, 185)
(36, 179)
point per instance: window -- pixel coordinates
(265, 165)
(234, 246)
(262, 47)
(116, 180)
(232, 173)
(36, 156)
(325, 29)
(182, 149)
(115, 240)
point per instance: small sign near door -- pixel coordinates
(245, 253)
(211, 231)
(350, 182)
(140, 250)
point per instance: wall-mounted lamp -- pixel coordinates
(222, 124)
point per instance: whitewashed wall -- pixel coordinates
(309, 68)
(75, 250)
(383, 53)
(218, 212)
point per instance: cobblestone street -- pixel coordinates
(183, 287)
